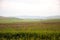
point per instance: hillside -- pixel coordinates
(9, 19)
(14, 19)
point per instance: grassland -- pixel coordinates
(13, 25)
(39, 29)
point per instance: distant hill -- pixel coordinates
(15, 19)
(54, 17)
(9, 19)
(1, 17)
(39, 17)
(29, 19)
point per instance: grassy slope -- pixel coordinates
(38, 26)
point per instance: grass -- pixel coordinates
(36, 26)
(43, 28)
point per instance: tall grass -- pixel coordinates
(29, 36)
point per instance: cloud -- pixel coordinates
(29, 8)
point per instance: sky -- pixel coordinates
(13, 8)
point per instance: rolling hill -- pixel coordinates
(29, 18)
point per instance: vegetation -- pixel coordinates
(19, 29)
(29, 36)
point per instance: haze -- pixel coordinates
(13, 8)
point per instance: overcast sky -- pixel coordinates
(29, 8)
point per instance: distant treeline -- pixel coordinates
(29, 36)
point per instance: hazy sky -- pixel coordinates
(29, 7)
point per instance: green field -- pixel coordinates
(29, 29)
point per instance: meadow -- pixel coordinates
(29, 30)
